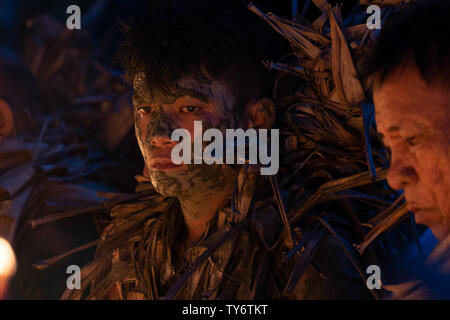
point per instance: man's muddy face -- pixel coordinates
(414, 119)
(157, 115)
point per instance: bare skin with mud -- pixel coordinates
(201, 189)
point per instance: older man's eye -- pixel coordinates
(190, 109)
(144, 110)
(412, 141)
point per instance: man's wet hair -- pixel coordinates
(416, 34)
(179, 38)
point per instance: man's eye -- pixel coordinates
(144, 110)
(190, 109)
(412, 141)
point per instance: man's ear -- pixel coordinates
(6, 119)
(260, 114)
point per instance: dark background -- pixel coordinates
(100, 18)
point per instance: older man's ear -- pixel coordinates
(259, 114)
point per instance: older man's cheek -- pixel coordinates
(443, 188)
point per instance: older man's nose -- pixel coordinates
(401, 173)
(162, 141)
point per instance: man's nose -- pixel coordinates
(401, 172)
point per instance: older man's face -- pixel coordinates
(414, 119)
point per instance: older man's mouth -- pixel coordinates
(422, 215)
(415, 209)
(413, 206)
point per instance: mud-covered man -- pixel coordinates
(200, 61)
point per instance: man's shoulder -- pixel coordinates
(128, 216)
(113, 267)
(429, 280)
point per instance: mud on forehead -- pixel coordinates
(198, 86)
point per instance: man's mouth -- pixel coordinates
(161, 164)
(413, 207)
(420, 213)
(416, 210)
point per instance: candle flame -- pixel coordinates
(7, 259)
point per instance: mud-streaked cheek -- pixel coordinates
(140, 126)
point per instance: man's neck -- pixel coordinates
(199, 211)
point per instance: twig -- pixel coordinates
(353, 181)
(289, 177)
(48, 262)
(367, 121)
(282, 210)
(41, 135)
(305, 8)
(304, 260)
(382, 226)
(106, 206)
(383, 214)
(64, 215)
